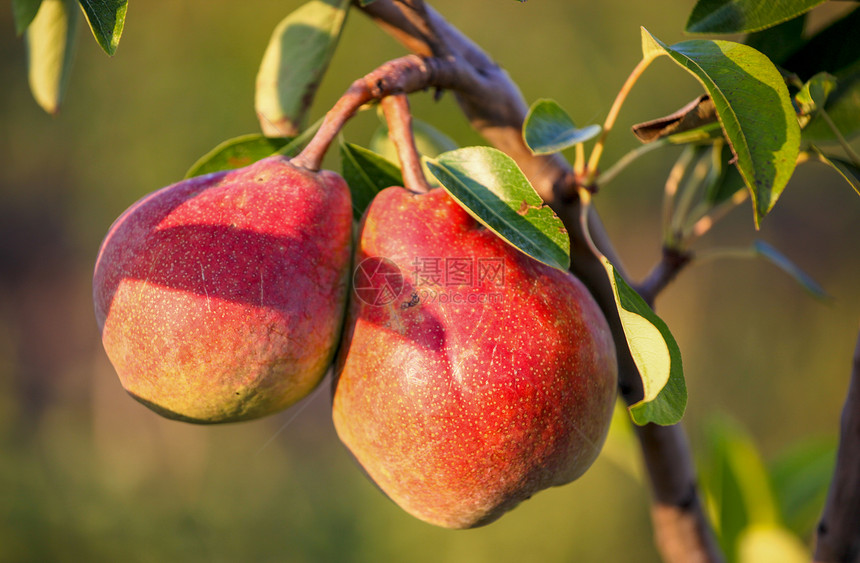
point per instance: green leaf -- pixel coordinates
(754, 108)
(366, 173)
(50, 50)
(694, 116)
(24, 11)
(801, 477)
(741, 16)
(814, 93)
(828, 51)
(775, 257)
(655, 353)
(735, 482)
(843, 108)
(548, 129)
(729, 182)
(429, 142)
(779, 42)
(490, 186)
(846, 169)
(106, 19)
(294, 63)
(237, 153)
(704, 134)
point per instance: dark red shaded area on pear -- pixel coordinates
(220, 298)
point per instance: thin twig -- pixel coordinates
(609, 123)
(623, 162)
(670, 265)
(399, 119)
(838, 534)
(846, 146)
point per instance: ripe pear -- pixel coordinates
(221, 298)
(490, 376)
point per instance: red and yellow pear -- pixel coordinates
(221, 298)
(471, 376)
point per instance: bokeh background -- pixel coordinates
(88, 474)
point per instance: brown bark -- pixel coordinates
(838, 534)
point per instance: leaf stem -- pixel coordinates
(579, 159)
(622, 163)
(855, 158)
(597, 151)
(725, 252)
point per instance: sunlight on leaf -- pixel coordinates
(814, 94)
(50, 43)
(753, 106)
(655, 353)
(106, 19)
(549, 129)
(492, 188)
(740, 16)
(237, 153)
(294, 63)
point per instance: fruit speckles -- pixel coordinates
(460, 410)
(220, 298)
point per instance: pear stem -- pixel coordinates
(399, 76)
(312, 155)
(399, 119)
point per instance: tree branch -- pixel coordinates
(838, 535)
(681, 530)
(496, 109)
(670, 265)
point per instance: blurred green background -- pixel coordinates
(88, 474)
